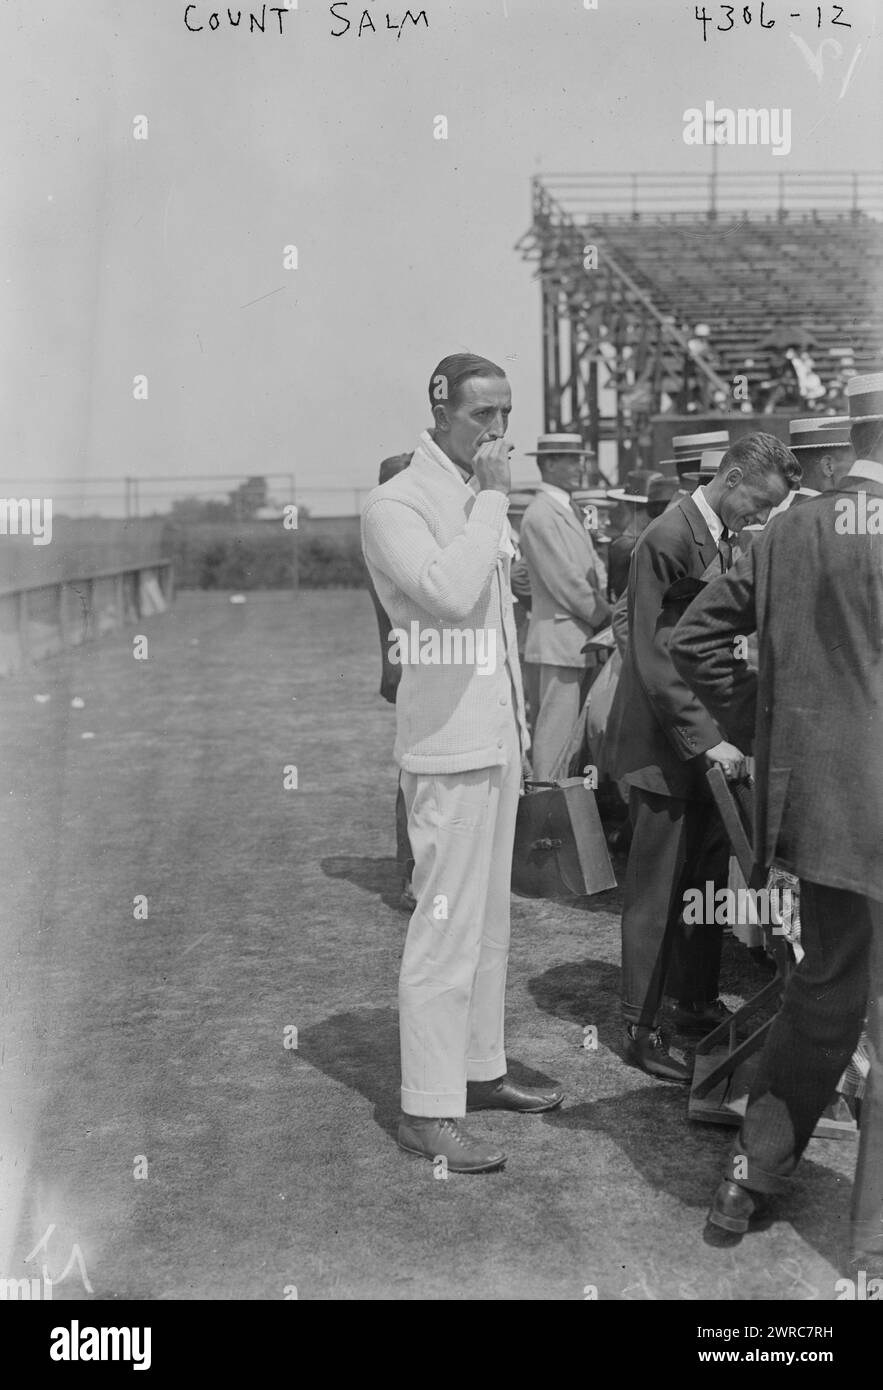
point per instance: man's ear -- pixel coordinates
(828, 465)
(734, 476)
(440, 416)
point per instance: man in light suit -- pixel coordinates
(811, 586)
(660, 740)
(437, 544)
(568, 584)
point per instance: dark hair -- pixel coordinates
(453, 371)
(866, 436)
(393, 465)
(760, 454)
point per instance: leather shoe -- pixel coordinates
(699, 1018)
(644, 1049)
(504, 1094)
(444, 1138)
(734, 1208)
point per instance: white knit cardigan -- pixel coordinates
(432, 547)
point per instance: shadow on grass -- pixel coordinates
(585, 991)
(378, 876)
(361, 1051)
(686, 1160)
(673, 1154)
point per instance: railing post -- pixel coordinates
(634, 197)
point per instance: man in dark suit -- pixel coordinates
(822, 447)
(661, 741)
(812, 587)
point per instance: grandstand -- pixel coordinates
(759, 262)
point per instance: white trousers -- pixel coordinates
(453, 979)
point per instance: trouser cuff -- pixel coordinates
(486, 1071)
(438, 1105)
(747, 1172)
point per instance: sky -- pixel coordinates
(164, 257)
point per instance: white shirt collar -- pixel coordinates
(711, 519)
(440, 457)
(557, 494)
(505, 546)
(867, 468)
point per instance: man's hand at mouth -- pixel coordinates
(491, 466)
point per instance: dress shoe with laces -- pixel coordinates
(505, 1094)
(735, 1208)
(445, 1138)
(645, 1049)
(699, 1018)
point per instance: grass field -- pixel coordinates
(162, 1040)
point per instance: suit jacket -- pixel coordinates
(433, 550)
(619, 557)
(567, 605)
(657, 728)
(390, 672)
(815, 709)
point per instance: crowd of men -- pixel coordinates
(726, 543)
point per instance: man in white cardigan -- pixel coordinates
(436, 542)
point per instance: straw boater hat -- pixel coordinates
(819, 432)
(636, 485)
(865, 396)
(687, 448)
(559, 444)
(708, 466)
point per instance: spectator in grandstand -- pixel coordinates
(698, 390)
(809, 383)
(782, 386)
(812, 588)
(568, 585)
(661, 741)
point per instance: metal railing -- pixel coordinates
(600, 198)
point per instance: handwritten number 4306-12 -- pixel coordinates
(729, 12)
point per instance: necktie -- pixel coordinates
(725, 549)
